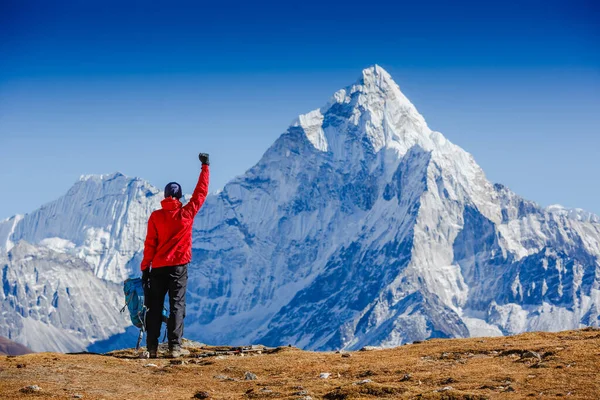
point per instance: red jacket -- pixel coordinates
(169, 238)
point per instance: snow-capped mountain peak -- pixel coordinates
(358, 226)
(373, 108)
(577, 214)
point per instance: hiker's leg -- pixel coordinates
(177, 288)
(159, 285)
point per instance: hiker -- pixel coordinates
(167, 252)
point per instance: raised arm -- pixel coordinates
(200, 192)
(150, 244)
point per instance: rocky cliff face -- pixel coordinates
(53, 301)
(359, 225)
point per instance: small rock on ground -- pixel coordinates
(371, 348)
(300, 393)
(201, 395)
(532, 354)
(151, 365)
(249, 376)
(78, 396)
(364, 381)
(324, 375)
(346, 355)
(406, 377)
(223, 378)
(31, 389)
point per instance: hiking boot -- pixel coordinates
(152, 353)
(177, 351)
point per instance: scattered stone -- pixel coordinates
(150, 365)
(364, 381)
(346, 355)
(448, 381)
(249, 376)
(324, 375)
(444, 389)
(371, 348)
(31, 389)
(221, 357)
(366, 373)
(223, 378)
(78, 396)
(145, 354)
(406, 377)
(178, 362)
(21, 365)
(192, 344)
(300, 393)
(490, 387)
(531, 354)
(266, 390)
(201, 395)
(509, 389)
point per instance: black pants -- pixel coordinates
(174, 281)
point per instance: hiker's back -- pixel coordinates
(174, 232)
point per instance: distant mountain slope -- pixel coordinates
(10, 348)
(362, 226)
(53, 301)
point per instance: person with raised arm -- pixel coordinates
(167, 253)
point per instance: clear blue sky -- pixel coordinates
(98, 87)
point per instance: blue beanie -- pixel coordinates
(173, 189)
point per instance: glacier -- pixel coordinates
(358, 226)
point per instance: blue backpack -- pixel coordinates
(134, 302)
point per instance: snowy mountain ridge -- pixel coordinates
(357, 191)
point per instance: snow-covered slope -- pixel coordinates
(53, 301)
(102, 219)
(359, 225)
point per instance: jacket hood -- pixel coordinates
(170, 204)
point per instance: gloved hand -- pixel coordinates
(146, 278)
(204, 158)
(146, 286)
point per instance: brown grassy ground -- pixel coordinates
(479, 368)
